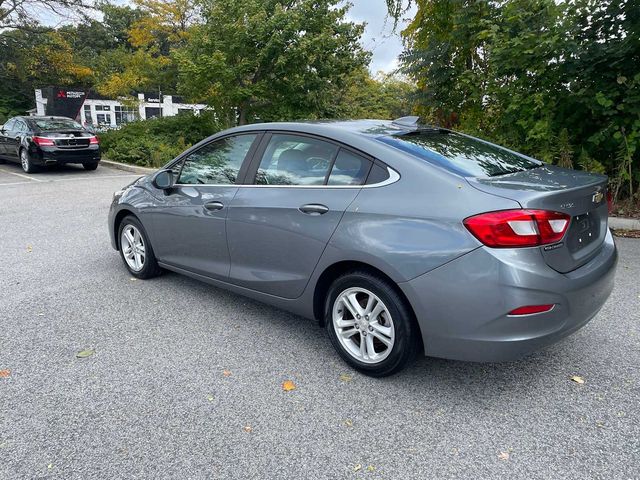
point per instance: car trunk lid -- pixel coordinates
(68, 138)
(579, 194)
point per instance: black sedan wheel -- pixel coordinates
(26, 162)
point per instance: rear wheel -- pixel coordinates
(26, 162)
(90, 166)
(370, 324)
(135, 249)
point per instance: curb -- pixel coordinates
(128, 168)
(621, 223)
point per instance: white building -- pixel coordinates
(90, 108)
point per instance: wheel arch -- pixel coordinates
(337, 269)
(125, 212)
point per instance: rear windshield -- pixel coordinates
(464, 155)
(52, 124)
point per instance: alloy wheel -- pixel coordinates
(133, 248)
(363, 325)
(24, 160)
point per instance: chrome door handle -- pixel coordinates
(314, 209)
(214, 206)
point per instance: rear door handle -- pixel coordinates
(314, 209)
(214, 206)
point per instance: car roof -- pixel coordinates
(45, 117)
(332, 128)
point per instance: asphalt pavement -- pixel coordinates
(185, 380)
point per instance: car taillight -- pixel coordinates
(518, 228)
(43, 141)
(94, 140)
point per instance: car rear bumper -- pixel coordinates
(56, 156)
(462, 306)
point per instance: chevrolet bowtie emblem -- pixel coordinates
(597, 197)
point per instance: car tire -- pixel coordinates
(141, 263)
(26, 161)
(393, 334)
(90, 166)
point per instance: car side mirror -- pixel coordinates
(163, 180)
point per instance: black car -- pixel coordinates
(41, 141)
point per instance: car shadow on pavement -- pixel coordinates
(455, 377)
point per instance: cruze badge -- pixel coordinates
(597, 197)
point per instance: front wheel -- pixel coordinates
(26, 162)
(135, 249)
(90, 166)
(370, 324)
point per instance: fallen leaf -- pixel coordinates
(40, 314)
(85, 353)
(6, 373)
(348, 423)
(503, 455)
(357, 468)
(226, 373)
(210, 398)
(133, 279)
(29, 248)
(50, 466)
(371, 468)
(345, 377)
(577, 379)
(288, 385)
(248, 429)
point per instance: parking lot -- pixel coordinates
(186, 379)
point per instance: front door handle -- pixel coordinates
(314, 209)
(214, 206)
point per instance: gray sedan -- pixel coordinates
(395, 236)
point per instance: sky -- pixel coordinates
(379, 37)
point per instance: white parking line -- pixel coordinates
(20, 175)
(63, 179)
(14, 183)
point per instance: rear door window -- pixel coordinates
(349, 169)
(461, 154)
(295, 160)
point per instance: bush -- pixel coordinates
(154, 142)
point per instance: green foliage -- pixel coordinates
(589, 164)
(564, 150)
(154, 142)
(524, 72)
(270, 59)
(384, 96)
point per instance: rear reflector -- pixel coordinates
(518, 228)
(43, 141)
(531, 309)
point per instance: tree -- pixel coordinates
(536, 75)
(384, 96)
(270, 59)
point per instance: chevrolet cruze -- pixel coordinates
(396, 237)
